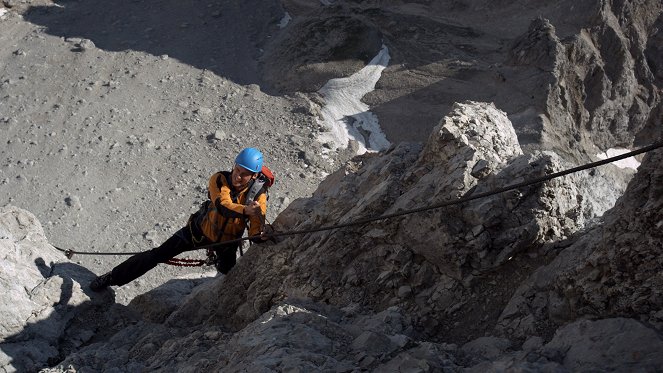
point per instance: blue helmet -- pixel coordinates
(250, 158)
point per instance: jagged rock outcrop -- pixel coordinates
(427, 263)
(573, 77)
(425, 292)
(46, 309)
(600, 86)
(613, 344)
(529, 280)
(614, 270)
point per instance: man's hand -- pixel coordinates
(252, 209)
(267, 232)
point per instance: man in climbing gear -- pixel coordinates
(236, 198)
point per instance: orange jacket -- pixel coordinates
(225, 211)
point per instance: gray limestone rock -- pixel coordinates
(278, 310)
(47, 309)
(528, 267)
(608, 345)
(488, 348)
(158, 304)
(596, 276)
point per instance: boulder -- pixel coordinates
(617, 344)
(46, 307)
(614, 269)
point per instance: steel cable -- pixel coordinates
(438, 205)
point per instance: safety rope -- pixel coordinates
(185, 262)
(537, 180)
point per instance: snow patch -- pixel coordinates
(285, 20)
(282, 311)
(345, 117)
(3, 11)
(629, 162)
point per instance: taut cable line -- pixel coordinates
(434, 206)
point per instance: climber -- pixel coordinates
(222, 217)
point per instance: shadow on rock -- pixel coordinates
(224, 37)
(64, 315)
(159, 303)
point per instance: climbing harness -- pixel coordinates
(537, 180)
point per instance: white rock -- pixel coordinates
(74, 202)
(219, 135)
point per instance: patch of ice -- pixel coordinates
(282, 311)
(629, 162)
(345, 117)
(285, 20)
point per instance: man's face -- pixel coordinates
(240, 177)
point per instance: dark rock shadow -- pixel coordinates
(69, 327)
(412, 116)
(159, 303)
(224, 37)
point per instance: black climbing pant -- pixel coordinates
(226, 257)
(181, 241)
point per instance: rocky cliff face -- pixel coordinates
(574, 76)
(436, 265)
(47, 309)
(524, 280)
(613, 270)
(561, 276)
(600, 88)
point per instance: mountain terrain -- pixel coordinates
(115, 115)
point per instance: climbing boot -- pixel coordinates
(101, 282)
